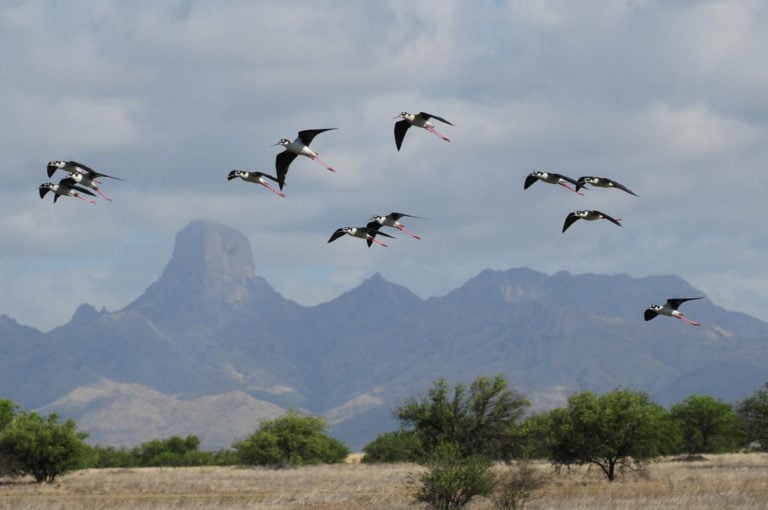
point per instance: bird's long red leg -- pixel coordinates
(85, 199)
(437, 133)
(102, 194)
(326, 165)
(273, 190)
(689, 321)
(378, 242)
(568, 187)
(409, 232)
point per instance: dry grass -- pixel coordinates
(723, 481)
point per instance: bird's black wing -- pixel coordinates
(43, 189)
(52, 170)
(609, 218)
(569, 220)
(90, 171)
(400, 128)
(232, 175)
(566, 178)
(83, 190)
(308, 135)
(338, 233)
(529, 180)
(675, 302)
(282, 161)
(372, 229)
(621, 187)
(428, 116)
(649, 314)
(397, 215)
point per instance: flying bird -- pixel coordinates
(367, 232)
(298, 147)
(601, 182)
(255, 177)
(66, 187)
(670, 309)
(82, 174)
(550, 178)
(588, 215)
(421, 120)
(392, 220)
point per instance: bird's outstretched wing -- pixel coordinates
(621, 187)
(428, 116)
(338, 233)
(609, 218)
(649, 314)
(372, 229)
(282, 162)
(566, 178)
(270, 177)
(569, 220)
(397, 215)
(529, 180)
(400, 128)
(676, 302)
(306, 136)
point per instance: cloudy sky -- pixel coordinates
(666, 97)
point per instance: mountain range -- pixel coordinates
(211, 348)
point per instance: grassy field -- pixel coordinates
(722, 481)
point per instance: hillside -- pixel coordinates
(211, 347)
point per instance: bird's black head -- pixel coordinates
(235, 174)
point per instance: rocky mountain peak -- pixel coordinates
(212, 249)
(210, 261)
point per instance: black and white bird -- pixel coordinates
(392, 220)
(255, 177)
(670, 309)
(298, 147)
(368, 232)
(81, 174)
(601, 182)
(66, 187)
(589, 216)
(550, 178)
(421, 120)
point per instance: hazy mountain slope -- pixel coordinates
(209, 329)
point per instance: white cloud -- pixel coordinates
(666, 97)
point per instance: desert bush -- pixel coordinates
(398, 446)
(515, 485)
(291, 440)
(452, 479)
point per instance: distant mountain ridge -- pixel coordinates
(211, 347)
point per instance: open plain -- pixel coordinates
(733, 481)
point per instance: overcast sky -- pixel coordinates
(669, 98)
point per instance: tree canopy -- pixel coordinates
(707, 424)
(622, 428)
(42, 447)
(480, 418)
(753, 412)
(293, 439)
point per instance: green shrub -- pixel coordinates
(452, 479)
(291, 440)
